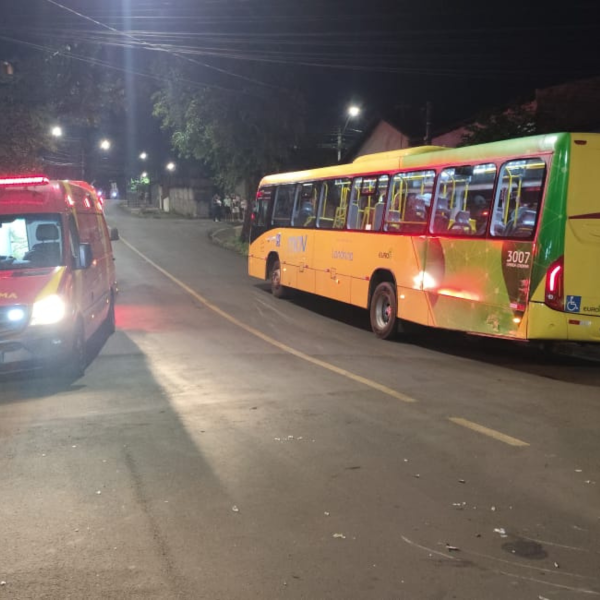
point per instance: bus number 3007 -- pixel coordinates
(517, 257)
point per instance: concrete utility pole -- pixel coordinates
(428, 117)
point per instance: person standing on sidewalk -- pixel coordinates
(217, 207)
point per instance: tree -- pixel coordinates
(515, 122)
(67, 85)
(240, 135)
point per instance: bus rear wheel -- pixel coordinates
(384, 320)
(278, 290)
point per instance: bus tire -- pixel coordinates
(278, 290)
(383, 311)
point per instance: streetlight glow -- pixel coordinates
(144, 175)
(353, 111)
(56, 131)
(105, 145)
(171, 166)
(143, 155)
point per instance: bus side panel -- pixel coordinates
(257, 257)
(409, 266)
(582, 239)
(479, 286)
(334, 255)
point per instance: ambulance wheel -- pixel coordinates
(110, 324)
(278, 290)
(383, 315)
(77, 361)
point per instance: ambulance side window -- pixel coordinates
(73, 240)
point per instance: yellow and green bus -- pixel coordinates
(499, 239)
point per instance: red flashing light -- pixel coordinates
(23, 181)
(554, 297)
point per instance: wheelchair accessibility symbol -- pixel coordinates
(573, 304)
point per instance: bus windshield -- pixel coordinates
(30, 241)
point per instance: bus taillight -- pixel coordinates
(555, 277)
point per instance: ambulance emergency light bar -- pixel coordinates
(27, 180)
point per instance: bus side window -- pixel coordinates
(409, 202)
(463, 200)
(518, 198)
(307, 205)
(334, 202)
(284, 205)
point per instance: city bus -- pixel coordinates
(498, 239)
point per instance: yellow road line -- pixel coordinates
(315, 361)
(501, 437)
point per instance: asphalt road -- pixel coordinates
(226, 445)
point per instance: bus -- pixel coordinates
(499, 239)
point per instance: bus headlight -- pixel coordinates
(48, 311)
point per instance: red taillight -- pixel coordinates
(555, 278)
(30, 180)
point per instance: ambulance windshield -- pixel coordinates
(30, 241)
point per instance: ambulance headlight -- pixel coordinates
(48, 311)
(15, 315)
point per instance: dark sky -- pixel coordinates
(389, 56)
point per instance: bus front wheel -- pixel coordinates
(278, 290)
(383, 311)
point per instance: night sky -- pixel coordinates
(390, 57)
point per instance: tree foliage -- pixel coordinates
(240, 135)
(501, 125)
(44, 89)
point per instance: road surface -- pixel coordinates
(226, 445)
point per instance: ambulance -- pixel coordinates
(57, 274)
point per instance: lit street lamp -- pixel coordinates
(56, 131)
(171, 167)
(143, 156)
(105, 145)
(352, 112)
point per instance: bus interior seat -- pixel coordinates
(462, 222)
(525, 223)
(378, 217)
(353, 215)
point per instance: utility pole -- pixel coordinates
(428, 118)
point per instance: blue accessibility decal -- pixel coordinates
(573, 304)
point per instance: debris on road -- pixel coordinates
(501, 531)
(452, 548)
(339, 535)
(234, 508)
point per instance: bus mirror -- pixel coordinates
(114, 234)
(85, 256)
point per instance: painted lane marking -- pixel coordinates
(501, 437)
(269, 340)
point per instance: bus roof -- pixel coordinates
(423, 156)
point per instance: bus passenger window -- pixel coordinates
(518, 198)
(334, 203)
(284, 205)
(409, 202)
(463, 200)
(306, 208)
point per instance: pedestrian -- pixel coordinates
(217, 207)
(235, 208)
(227, 207)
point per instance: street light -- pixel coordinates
(105, 144)
(144, 175)
(56, 131)
(352, 112)
(171, 167)
(143, 156)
